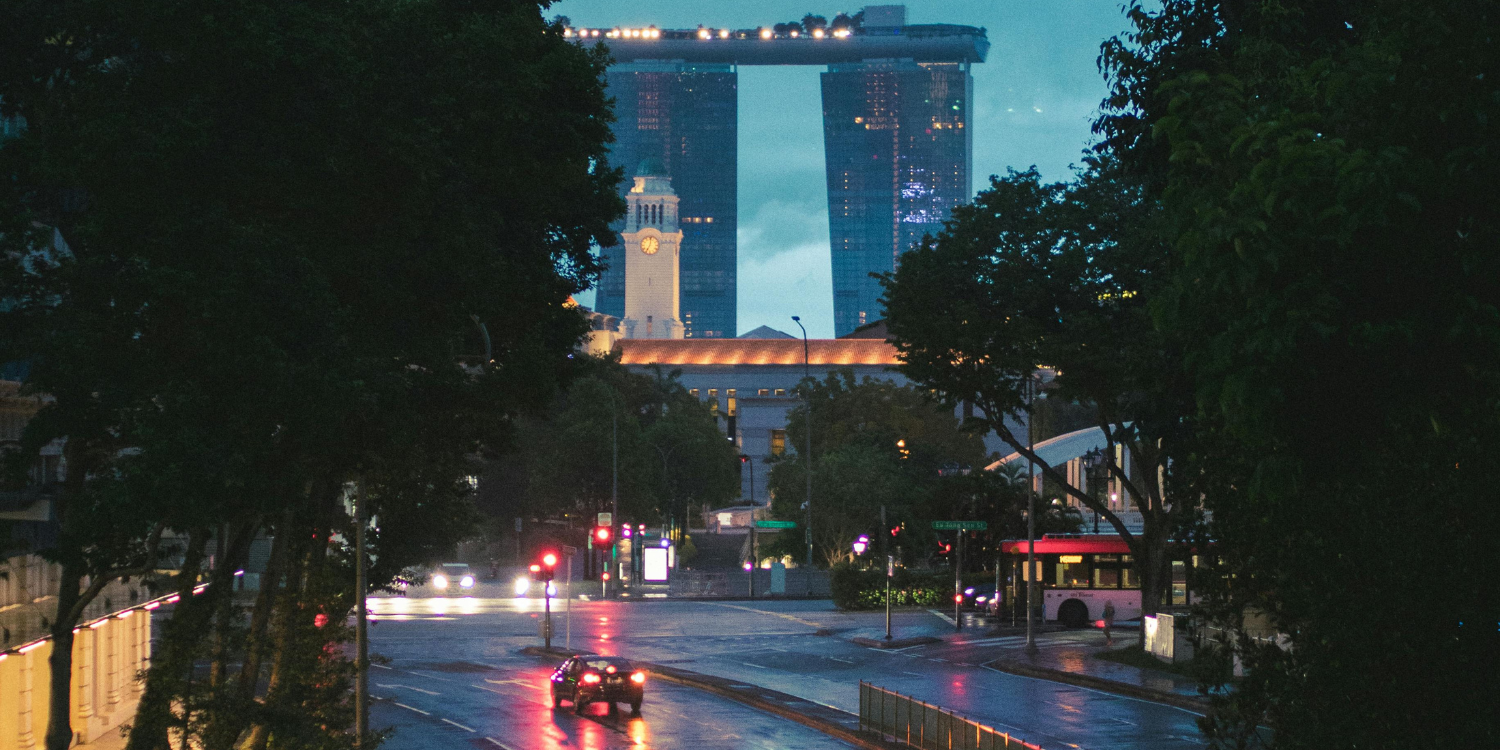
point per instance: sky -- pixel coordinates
(1034, 99)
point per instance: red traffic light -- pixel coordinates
(549, 560)
(601, 535)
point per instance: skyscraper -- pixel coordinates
(897, 140)
(685, 115)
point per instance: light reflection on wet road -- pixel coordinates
(471, 643)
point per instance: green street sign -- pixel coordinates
(775, 524)
(961, 525)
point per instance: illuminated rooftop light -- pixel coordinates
(765, 33)
(817, 33)
(703, 33)
(794, 33)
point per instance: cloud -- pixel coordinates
(795, 280)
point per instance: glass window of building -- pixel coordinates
(732, 411)
(693, 392)
(713, 405)
(763, 392)
(781, 391)
(713, 393)
(778, 442)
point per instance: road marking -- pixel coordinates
(381, 666)
(783, 616)
(456, 724)
(757, 666)
(846, 661)
(934, 658)
(492, 690)
(498, 743)
(511, 681)
(942, 616)
(412, 708)
(408, 687)
(913, 674)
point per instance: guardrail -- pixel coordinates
(925, 726)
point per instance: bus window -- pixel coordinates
(1106, 578)
(1073, 575)
(1128, 578)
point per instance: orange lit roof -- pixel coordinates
(820, 352)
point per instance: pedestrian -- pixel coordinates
(1109, 622)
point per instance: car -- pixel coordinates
(452, 577)
(591, 678)
(981, 598)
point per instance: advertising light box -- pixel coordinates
(654, 564)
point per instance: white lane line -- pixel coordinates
(934, 658)
(757, 666)
(846, 661)
(499, 744)
(456, 724)
(511, 681)
(408, 687)
(492, 690)
(942, 616)
(381, 666)
(913, 674)
(412, 708)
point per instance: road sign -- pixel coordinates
(961, 525)
(606, 519)
(775, 524)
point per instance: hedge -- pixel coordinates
(865, 589)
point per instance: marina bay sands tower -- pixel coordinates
(897, 135)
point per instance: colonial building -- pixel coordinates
(653, 243)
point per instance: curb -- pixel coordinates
(1195, 705)
(898, 643)
(832, 722)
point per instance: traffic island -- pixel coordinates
(840, 725)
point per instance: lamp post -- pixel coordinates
(807, 504)
(1030, 515)
(614, 483)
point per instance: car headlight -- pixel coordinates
(523, 586)
(440, 581)
(466, 582)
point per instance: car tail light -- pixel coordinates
(610, 669)
(638, 678)
(591, 679)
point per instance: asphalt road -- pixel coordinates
(456, 659)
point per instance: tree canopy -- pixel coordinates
(1328, 173)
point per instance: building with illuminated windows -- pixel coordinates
(897, 137)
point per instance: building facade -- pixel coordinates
(897, 145)
(652, 243)
(684, 115)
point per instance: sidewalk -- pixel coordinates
(1076, 662)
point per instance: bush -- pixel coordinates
(854, 588)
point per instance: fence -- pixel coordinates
(925, 726)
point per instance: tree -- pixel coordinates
(859, 466)
(1329, 175)
(1059, 275)
(282, 226)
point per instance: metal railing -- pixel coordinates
(925, 726)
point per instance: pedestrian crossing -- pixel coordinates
(1012, 641)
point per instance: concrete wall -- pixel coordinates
(107, 657)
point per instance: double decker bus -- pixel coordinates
(1078, 573)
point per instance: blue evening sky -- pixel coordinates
(1034, 99)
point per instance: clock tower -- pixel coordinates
(653, 244)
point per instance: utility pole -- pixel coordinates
(958, 582)
(1030, 514)
(890, 569)
(361, 621)
(807, 504)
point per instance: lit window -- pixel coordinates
(713, 406)
(778, 442)
(713, 393)
(781, 391)
(732, 405)
(693, 392)
(710, 220)
(763, 392)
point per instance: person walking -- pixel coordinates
(1109, 622)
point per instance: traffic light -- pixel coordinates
(547, 568)
(599, 538)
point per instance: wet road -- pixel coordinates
(772, 644)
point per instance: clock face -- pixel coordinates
(649, 245)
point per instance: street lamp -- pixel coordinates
(807, 505)
(861, 544)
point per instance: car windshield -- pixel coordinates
(455, 567)
(602, 663)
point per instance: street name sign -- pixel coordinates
(606, 519)
(961, 525)
(775, 524)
